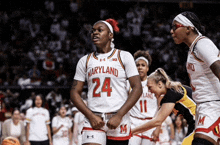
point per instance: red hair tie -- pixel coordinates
(114, 24)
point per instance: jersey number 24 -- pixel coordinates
(105, 87)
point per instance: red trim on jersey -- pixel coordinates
(119, 138)
(194, 55)
(112, 54)
(147, 118)
(137, 135)
(87, 60)
(119, 59)
(211, 128)
(95, 56)
(146, 137)
(91, 129)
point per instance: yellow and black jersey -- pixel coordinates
(184, 104)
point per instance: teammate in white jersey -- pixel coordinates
(61, 125)
(38, 123)
(146, 107)
(106, 71)
(203, 67)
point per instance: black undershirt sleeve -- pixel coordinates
(171, 96)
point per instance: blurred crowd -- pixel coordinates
(41, 47)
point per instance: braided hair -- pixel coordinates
(195, 20)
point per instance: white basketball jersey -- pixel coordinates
(106, 76)
(203, 53)
(146, 106)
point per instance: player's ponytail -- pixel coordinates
(160, 75)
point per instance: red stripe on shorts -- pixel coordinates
(88, 128)
(119, 138)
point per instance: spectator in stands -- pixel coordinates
(78, 126)
(61, 125)
(14, 127)
(130, 14)
(11, 99)
(5, 112)
(166, 134)
(24, 81)
(48, 63)
(49, 5)
(180, 130)
(61, 75)
(54, 100)
(34, 29)
(28, 102)
(73, 6)
(38, 123)
(34, 72)
(48, 73)
(22, 117)
(2, 96)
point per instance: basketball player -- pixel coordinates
(203, 67)
(174, 97)
(106, 71)
(61, 125)
(146, 107)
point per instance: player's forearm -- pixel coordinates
(75, 96)
(80, 105)
(151, 124)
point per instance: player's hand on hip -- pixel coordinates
(96, 122)
(114, 122)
